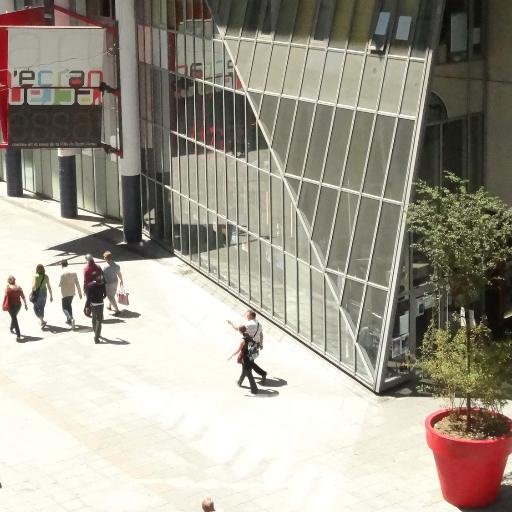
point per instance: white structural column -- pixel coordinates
(130, 163)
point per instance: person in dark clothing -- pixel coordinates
(243, 358)
(255, 331)
(96, 293)
(90, 268)
(256, 369)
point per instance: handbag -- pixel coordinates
(34, 293)
(122, 297)
(5, 304)
(253, 350)
(87, 309)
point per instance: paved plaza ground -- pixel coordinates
(151, 420)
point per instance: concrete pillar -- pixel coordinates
(67, 183)
(13, 175)
(67, 157)
(130, 163)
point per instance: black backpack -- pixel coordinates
(253, 348)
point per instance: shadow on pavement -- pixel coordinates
(116, 341)
(112, 321)
(92, 218)
(27, 195)
(266, 393)
(502, 504)
(54, 329)
(97, 243)
(274, 382)
(82, 328)
(415, 386)
(126, 313)
(28, 339)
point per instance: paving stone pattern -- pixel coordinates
(152, 419)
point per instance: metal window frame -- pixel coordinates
(315, 263)
(414, 156)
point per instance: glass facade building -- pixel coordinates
(279, 143)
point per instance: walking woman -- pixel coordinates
(245, 360)
(40, 288)
(13, 297)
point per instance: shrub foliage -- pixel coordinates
(466, 237)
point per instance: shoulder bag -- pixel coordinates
(5, 304)
(258, 343)
(122, 296)
(34, 293)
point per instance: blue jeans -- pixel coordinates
(40, 303)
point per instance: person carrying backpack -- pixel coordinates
(246, 354)
(95, 294)
(255, 331)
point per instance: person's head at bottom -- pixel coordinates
(208, 505)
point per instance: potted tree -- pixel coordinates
(465, 236)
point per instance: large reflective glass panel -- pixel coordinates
(277, 143)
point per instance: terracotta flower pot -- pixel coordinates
(470, 471)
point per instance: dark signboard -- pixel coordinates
(52, 93)
(62, 126)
